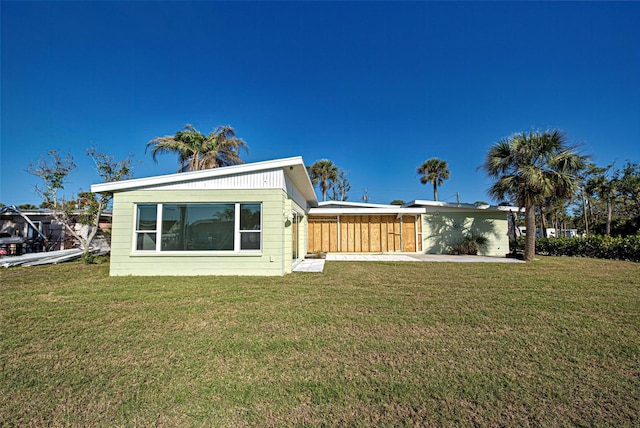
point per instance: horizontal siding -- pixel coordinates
(267, 179)
(271, 260)
(441, 231)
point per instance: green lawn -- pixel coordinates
(552, 343)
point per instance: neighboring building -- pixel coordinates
(262, 218)
(16, 223)
(552, 233)
(39, 231)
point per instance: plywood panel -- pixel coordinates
(394, 235)
(323, 234)
(408, 233)
(364, 233)
(384, 234)
(375, 239)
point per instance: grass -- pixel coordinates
(551, 343)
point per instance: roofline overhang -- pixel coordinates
(432, 206)
(293, 166)
(372, 211)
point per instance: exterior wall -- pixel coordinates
(290, 206)
(272, 260)
(442, 230)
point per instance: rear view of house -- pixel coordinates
(262, 218)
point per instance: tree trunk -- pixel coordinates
(530, 238)
(609, 215)
(584, 214)
(543, 223)
(435, 192)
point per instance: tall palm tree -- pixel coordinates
(197, 151)
(323, 173)
(434, 171)
(604, 188)
(529, 168)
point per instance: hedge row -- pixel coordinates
(601, 247)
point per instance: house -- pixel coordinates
(262, 218)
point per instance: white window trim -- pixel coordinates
(237, 232)
(136, 231)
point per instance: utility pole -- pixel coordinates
(365, 198)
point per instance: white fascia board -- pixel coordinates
(426, 203)
(510, 208)
(372, 211)
(197, 175)
(328, 204)
(446, 206)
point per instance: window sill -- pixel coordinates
(197, 254)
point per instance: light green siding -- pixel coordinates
(442, 230)
(302, 234)
(274, 259)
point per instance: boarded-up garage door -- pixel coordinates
(365, 233)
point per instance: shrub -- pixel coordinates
(596, 246)
(470, 245)
(88, 258)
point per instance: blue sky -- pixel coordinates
(376, 87)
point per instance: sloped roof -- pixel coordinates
(293, 168)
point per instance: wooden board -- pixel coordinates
(365, 233)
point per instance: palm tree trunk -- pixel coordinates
(543, 222)
(584, 214)
(609, 215)
(530, 238)
(435, 192)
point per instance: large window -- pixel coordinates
(199, 227)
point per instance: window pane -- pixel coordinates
(197, 227)
(173, 227)
(250, 240)
(249, 216)
(146, 242)
(146, 217)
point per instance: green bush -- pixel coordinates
(470, 245)
(596, 246)
(88, 258)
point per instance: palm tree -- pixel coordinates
(197, 151)
(434, 171)
(529, 168)
(604, 188)
(323, 173)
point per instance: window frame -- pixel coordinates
(237, 232)
(137, 232)
(240, 231)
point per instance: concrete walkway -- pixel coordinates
(413, 257)
(353, 257)
(310, 265)
(317, 265)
